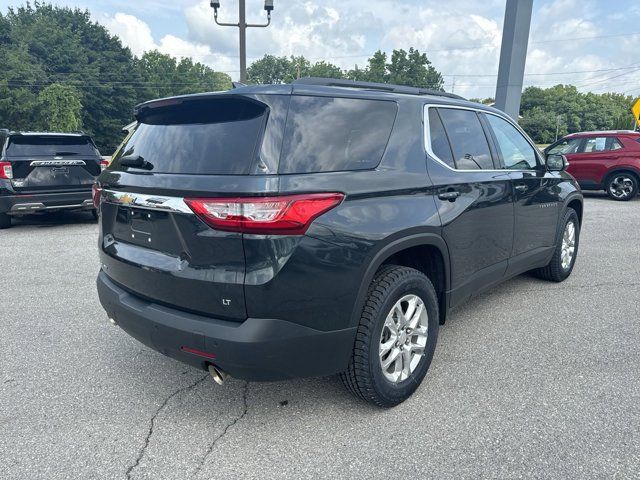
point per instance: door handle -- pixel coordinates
(450, 195)
(521, 188)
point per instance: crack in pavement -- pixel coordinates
(153, 421)
(224, 432)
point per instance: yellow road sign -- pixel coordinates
(635, 108)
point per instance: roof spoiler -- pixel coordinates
(385, 87)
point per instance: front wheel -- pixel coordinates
(396, 337)
(564, 255)
(622, 186)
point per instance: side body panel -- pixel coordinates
(318, 280)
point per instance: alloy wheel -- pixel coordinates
(621, 187)
(403, 338)
(568, 245)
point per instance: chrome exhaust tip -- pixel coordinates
(113, 322)
(218, 375)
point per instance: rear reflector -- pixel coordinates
(6, 171)
(282, 215)
(195, 351)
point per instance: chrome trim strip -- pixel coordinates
(56, 163)
(20, 208)
(427, 139)
(148, 202)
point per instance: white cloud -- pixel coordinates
(133, 32)
(136, 34)
(462, 38)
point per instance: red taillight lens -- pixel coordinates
(6, 171)
(282, 215)
(104, 163)
(96, 193)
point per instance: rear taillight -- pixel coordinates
(6, 171)
(96, 193)
(282, 215)
(104, 163)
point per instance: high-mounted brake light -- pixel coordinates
(281, 215)
(96, 193)
(6, 171)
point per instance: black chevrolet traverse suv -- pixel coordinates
(45, 172)
(272, 232)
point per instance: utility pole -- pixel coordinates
(513, 54)
(242, 27)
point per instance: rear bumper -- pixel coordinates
(257, 349)
(43, 202)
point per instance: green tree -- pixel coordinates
(272, 69)
(42, 44)
(269, 69)
(60, 108)
(410, 68)
(541, 108)
(165, 76)
(325, 70)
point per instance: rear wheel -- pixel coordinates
(396, 337)
(564, 256)
(5, 220)
(622, 186)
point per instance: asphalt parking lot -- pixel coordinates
(531, 379)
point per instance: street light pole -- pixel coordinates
(242, 27)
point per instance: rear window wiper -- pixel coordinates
(135, 161)
(66, 153)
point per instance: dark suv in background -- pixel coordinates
(45, 172)
(324, 227)
(608, 161)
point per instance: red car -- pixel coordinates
(608, 161)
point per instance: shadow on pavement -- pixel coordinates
(54, 219)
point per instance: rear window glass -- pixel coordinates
(33, 146)
(211, 137)
(326, 134)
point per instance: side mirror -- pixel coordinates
(556, 163)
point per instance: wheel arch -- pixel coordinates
(621, 169)
(433, 262)
(576, 203)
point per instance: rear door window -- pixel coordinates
(209, 136)
(601, 144)
(49, 146)
(326, 134)
(468, 140)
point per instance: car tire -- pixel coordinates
(5, 220)
(622, 186)
(561, 266)
(393, 289)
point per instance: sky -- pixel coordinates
(592, 44)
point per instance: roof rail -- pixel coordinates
(385, 87)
